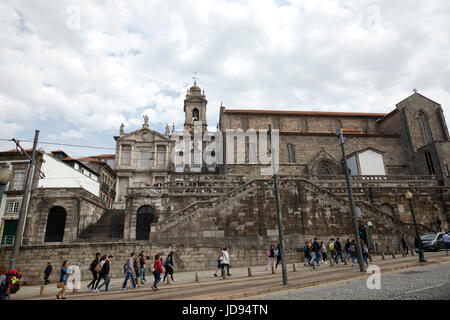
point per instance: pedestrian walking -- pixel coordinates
(338, 247)
(169, 267)
(316, 249)
(270, 253)
(365, 251)
(404, 245)
(100, 276)
(312, 254)
(279, 257)
(130, 272)
(3, 285)
(323, 252)
(332, 249)
(352, 251)
(157, 271)
(346, 247)
(47, 272)
(104, 274)
(219, 263)
(93, 267)
(307, 256)
(142, 267)
(62, 284)
(225, 262)
(446, 238)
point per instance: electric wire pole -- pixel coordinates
(277, 203)
(22, 212)
(352, 207)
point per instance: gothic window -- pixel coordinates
(325, 167)
(425, 128)
(126, 155)
(245, 124)
(195, 115)
(290, 153)
(429, 161)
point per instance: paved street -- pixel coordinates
(423, 283)
(410, 278)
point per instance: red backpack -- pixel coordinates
(13, 280)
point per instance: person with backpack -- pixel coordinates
(47, 272)
(270, 253)
(62, 284)
(104, 274)
(404, 245)
(92, 268)
(352, 251)
(219, 263)
(3, 285)
(338, 247)
(130, 272)
(365, 251)
(306, 254)
(316, 249)
(157, 266)
(312, 254)
(332, 249)
(169, 267)
(98, 269)
(346, 246)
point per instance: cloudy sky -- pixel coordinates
(75, 70)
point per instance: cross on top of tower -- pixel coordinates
(415, 90)
(195, 78)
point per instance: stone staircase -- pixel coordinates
(109, 227)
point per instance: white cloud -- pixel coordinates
(130, 58)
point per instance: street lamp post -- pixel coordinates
(409, 196)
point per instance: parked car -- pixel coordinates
(433, 241)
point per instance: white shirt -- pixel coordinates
(226, 257)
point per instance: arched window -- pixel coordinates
(195, 115)
(325, 166)
(145, 216)
(56, 223)
(424, 128)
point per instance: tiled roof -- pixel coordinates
(311, 113)
(106, 156)
(90, 159)
(14, 150)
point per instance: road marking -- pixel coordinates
(439, 285)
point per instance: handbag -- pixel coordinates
(60, 285)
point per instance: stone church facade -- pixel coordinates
(197, 208)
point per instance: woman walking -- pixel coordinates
(323, 251)
(270, 253)
(100, 274)
(306, 253)
(365, 251)
(92, 268)
(169, 267)
(62, 284)
(157, 273)
(278, 257)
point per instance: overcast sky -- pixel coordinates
(75, 70)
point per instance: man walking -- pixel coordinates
(446, 239)
(226, 262)
(332, 249)
(270, 255)
(47, 273)
(316, 249)
(92, 268)
(338, 247)
(130, 273)
(404, 246)
(142, 267)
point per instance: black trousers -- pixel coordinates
(92, 283)
(169, 270)
(46, 281)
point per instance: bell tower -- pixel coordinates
(195, 108)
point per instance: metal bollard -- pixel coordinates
(138, 282)
(331, 262)
(250, 272)
(224, 275)
(168, 279)
(393, 255)
(197, 278)
(273, 270)
(294, 268)
(382, 256)
(403, 253)
(370, 257)
(345, 261)
(42, 291)
(314, 265)
(412, 252)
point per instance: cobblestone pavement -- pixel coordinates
(423, 283)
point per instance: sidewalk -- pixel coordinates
(239, 285)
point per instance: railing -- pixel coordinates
(7, 240)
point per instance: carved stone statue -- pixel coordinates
(121, 128)
(145, 119)
(167, 129)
